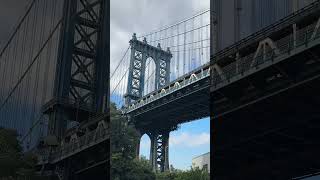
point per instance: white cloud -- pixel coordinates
(186, 139)
(201, 4)
(128, 17)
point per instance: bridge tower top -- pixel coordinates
(140, 52)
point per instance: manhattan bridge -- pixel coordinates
(162, 80)
(55, 84)
(55, 89)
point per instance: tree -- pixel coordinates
(167, 175)
(193, 174)
(13, 162)
(176, 174)
(10, 152)
(124, 138)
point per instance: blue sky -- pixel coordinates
(190, 140)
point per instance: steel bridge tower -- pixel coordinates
(140, 52)
(80, 90)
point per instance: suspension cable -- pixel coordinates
(123, 57)
(29, 67)
(17, 28)
(176, 24)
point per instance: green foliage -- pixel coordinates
(131, 169)
(167, 175)
(184, 175)
(124, 164)
(12, 161)
(124, 138)
(193, 174)
(10, 152)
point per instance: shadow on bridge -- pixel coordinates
(266, 117)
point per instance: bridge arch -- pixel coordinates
(144, 147)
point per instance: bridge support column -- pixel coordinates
(153, 153)
(138, 144)
(159, 151)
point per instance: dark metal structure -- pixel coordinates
(140, 52)
(264, 99)
(83, 154)
(239, 19)
(81, 94)
(80, 83)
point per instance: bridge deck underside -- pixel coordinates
(189, 103)
(270, 130)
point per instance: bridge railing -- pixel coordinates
(284, 46)
(68, 149)
(182, 82)
(282, 23)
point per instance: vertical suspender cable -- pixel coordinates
(184, 47)
(199, 42)
(201, 38)
(192, 47)
(178, 57)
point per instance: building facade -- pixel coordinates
(202, 162)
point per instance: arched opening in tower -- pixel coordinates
(149, 76)
(145, 144)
